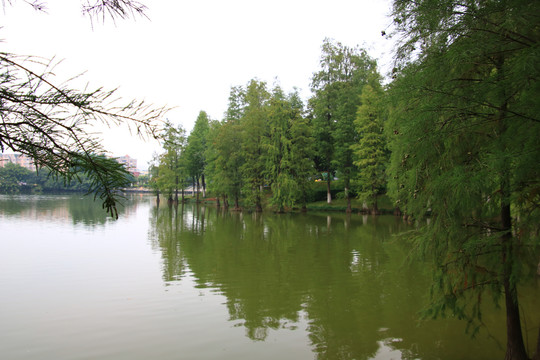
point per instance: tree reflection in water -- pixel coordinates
(343, 279)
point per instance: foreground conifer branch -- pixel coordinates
(52, 123)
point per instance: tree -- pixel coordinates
(277, 151)
(153, 173)
(11, 178)
(465, 132)
(195, 150)
(254, 127)
(49, 122)
(226, 149)
(322, 109)
(215, 183)
(337, 87)
(302, 150)
(288, 150)
(172, 169)
(370, 154)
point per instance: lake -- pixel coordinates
(195, 282)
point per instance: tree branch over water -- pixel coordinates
(51, 122)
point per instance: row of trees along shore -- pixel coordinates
(453, 139)
(271, 146)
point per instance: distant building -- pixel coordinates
(130, 164)
(26, 162)
(18, 159)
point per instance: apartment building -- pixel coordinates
(129, 162)
(18, 159)
(26, 162)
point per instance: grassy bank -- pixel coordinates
(384, 203)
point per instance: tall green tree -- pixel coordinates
(276, 145)
(227, 153)
(370, 152)
(172, 171)
(153, 173)
(214, 177)
(254, 128)
(301, 150)
(288, 151)
(195, 151)
(465, 131)
(337, 88)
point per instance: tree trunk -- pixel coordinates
(375, 210)
(304, 200)
(515, 347)
(328, 189)
(176, 189)
(536, 355)
(236, 203)
(218, 204)
(198, 188)
(203, 186)
(348, 197)
(258, 205)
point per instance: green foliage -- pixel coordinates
(264, 142)
(277, 147)
(12, 176)
(288, 150)
(105, 177)
(465, 148)
(254, 128)
(195, 156)
(337, 88)
(370, 153)
(302, 150)
(214, 180)
(169, 172)
(224, 151)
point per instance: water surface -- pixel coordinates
(193, 282)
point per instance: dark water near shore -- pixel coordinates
(197, 283)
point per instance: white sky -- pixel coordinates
(190, 53)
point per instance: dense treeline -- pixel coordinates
(16, 179)
(271, 147)
(453, 139)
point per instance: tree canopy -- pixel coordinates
(465, 149)
(337, 88)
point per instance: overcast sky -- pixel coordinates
(188, 54)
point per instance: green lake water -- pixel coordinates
(194, 282)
